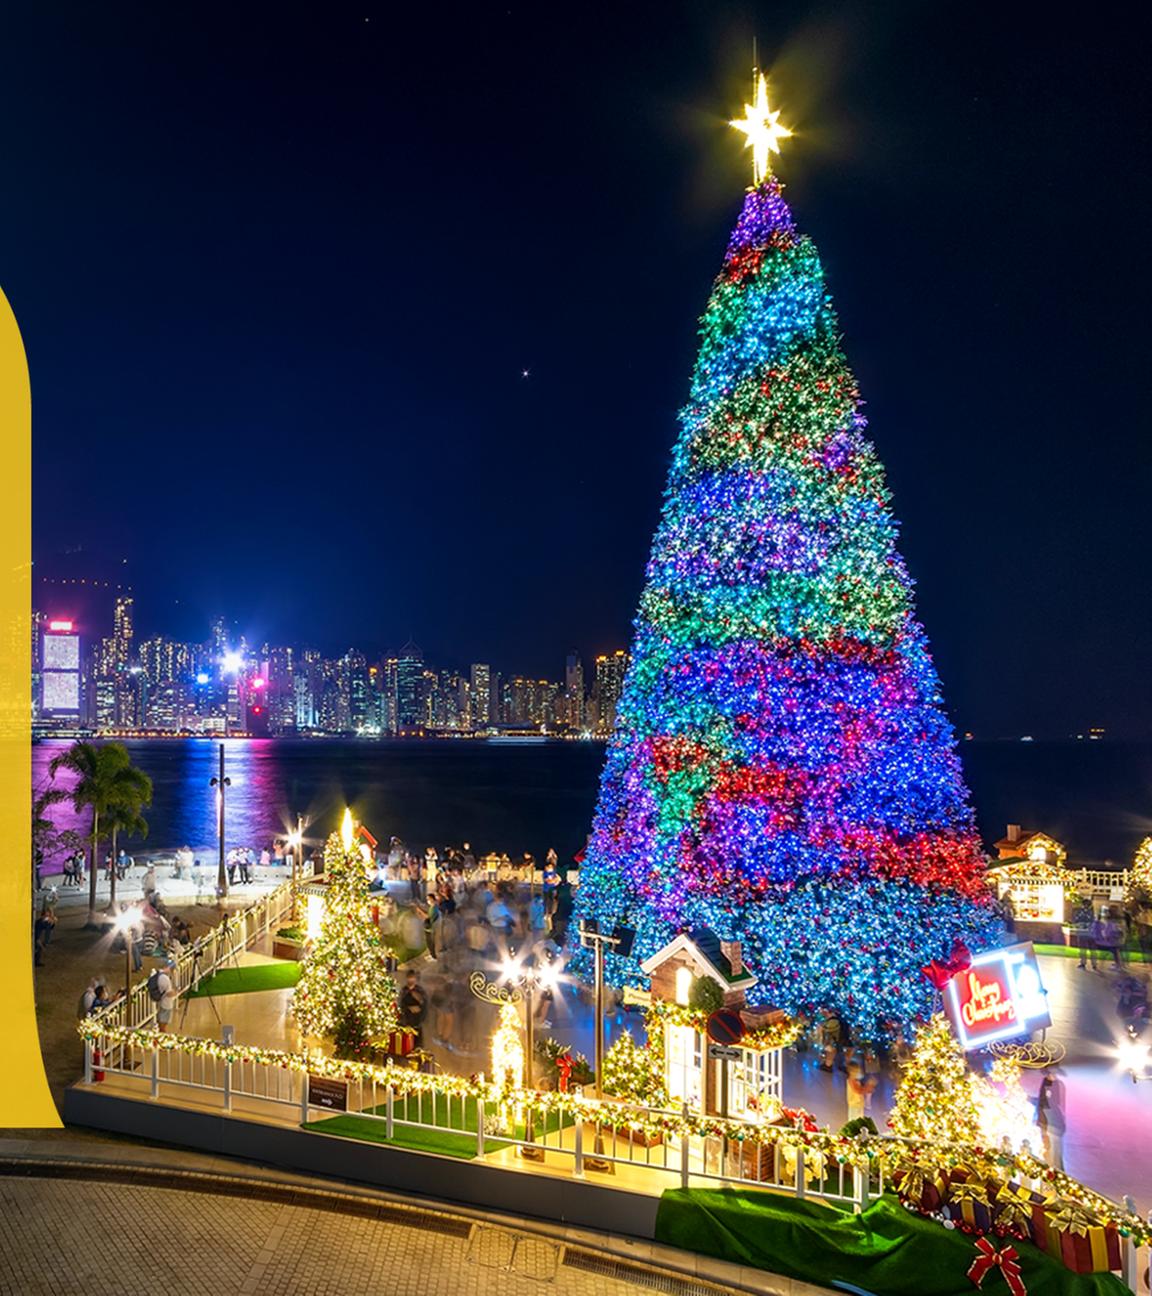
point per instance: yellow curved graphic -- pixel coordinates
(25, 1100)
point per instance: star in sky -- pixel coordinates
(762, 127)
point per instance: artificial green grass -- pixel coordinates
(1104, 960)
(420, 1137)
(416, 1137)
(248, 979)
(886, 1250)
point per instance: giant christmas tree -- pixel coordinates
(782, 771)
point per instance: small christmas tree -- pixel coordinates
(1140, 879)
(345, 988)
(936, 1098)
(633, 1072)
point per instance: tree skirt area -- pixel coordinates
(885, 1251)
(248, 979)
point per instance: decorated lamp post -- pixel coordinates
(220, 783)
(530, 977)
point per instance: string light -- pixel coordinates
(346, 989)
(782, 770)
(928, 1157)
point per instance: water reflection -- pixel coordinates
(505, 798)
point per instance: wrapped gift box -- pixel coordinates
(1080, 1239)
(401, 1043)
(1095, 1250)
(932, 1196)
(1031, 1220)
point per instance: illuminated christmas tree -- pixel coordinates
(782, 771)
(1140, 877)
(936, 1098)
(345, 989)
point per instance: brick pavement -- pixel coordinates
(59, 1237)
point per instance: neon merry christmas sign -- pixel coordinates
(1000, 996)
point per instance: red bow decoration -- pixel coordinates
(960, 960)
(990, 1258)
(564, 1064)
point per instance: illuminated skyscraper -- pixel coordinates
(481, 698)
(574, 690)
(610, 672)
(410, 711)
(122, 630)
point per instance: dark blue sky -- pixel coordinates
(279, 270)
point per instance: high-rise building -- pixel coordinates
(122, 632)
(574, 690)
(38, 621)
(481, 695)
(610, 671)
(61, 701)
(410, 689)
(388, 699)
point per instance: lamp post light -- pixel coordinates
(619, 939)
(124, 924)
(296, 841)
(220, 783)
(529, 977)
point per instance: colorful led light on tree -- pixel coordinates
(782, 770)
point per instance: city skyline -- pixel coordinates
(123, 682)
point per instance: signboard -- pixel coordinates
(635, 997)
(725, 1026)
(723, 1053)
(332, 1094)
(60, 665)
(999, 997)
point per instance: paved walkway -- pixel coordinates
(146, 1220)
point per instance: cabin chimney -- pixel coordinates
(1013, 832)
(731, 951)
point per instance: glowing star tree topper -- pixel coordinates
(761, 126)
(782, 771)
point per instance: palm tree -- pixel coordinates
(106, 781)
(132, 793)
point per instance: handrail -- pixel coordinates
(200, 958)
(820, 1147)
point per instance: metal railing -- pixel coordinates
(572, 1132)
(234, 934)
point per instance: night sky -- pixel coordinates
(281, 270)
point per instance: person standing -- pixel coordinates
(414, 1007)
(42, 933)
(1082, 919)
(1107, 935)
(550, 881)
(162, 992)
(1051, 1117)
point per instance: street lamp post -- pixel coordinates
(125, 922)
(530, 977)
(220, 783)
(619, 939)
(296, 841)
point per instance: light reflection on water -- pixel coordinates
(1094, 797)
(497, 797)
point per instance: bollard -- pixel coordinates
(578, 1165)
(88, 1061)
(303, 1097)
(389, 1114)
(155, 1073)
(801, 1187)
(479, 1127)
